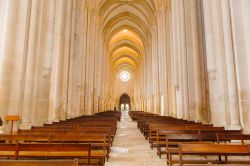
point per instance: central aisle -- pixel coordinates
(130, 147)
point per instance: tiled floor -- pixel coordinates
(130, 147)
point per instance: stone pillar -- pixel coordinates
(90, 58)
(72, 92)
(214, 43)
(76, 96)
(66, 60)
(183, 61)
(180, 59)
(55, 105)
(44, 63)
(231, 75)
(15, 21)
(170, 99)
(9, 11)
(195, 62)
(29, 83)
(161, 24)
(240, 24)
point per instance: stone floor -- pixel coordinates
(130, 147)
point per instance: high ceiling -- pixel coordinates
(126, 30)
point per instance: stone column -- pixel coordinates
(180, 59)
(195, 63)
(44, 63)
(162, 57)
(90, 58)
(29, 83)
(184, 61)
(175, 51)
(13, 17)
(214, 43)
(170, 99)
(239, 11)
(72, 92)
(55, 105)
(9, 11)
(66, 60)
(230, 66)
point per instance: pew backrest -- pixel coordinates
(39, 162)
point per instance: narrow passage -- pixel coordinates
(130, 147)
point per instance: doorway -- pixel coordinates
(125, 104)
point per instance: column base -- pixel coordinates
(197, 120)
(186, 118)
(25, 126)
(56, 120)
(1, 129)
(246, 132)
(173, 115)
(234, 127)
(5, 128)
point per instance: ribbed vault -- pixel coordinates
(126, 31)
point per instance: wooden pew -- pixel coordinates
(101, 124)
(89, 118)
(224, 137)
(87, 151)
(85, 121)
(116, 114)
(90, 128)
(99, 140)
(39, 162)
(172, 140)
(98, 131)
(109, 136)
(8, 151)
(15, 138)
(154, 131)
(111, 125)
(160, 140)
(135, 114)
(145, 122)
(196, 149)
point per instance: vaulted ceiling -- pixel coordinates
(126, 30)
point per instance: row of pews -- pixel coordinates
(179, 139)
(84, 140)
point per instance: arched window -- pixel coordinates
(125, 102)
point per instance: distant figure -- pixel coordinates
(115, 108)
(1, 122)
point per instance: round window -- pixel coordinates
(124, 76)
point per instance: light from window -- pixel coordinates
(122, 106)
(125, 76)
